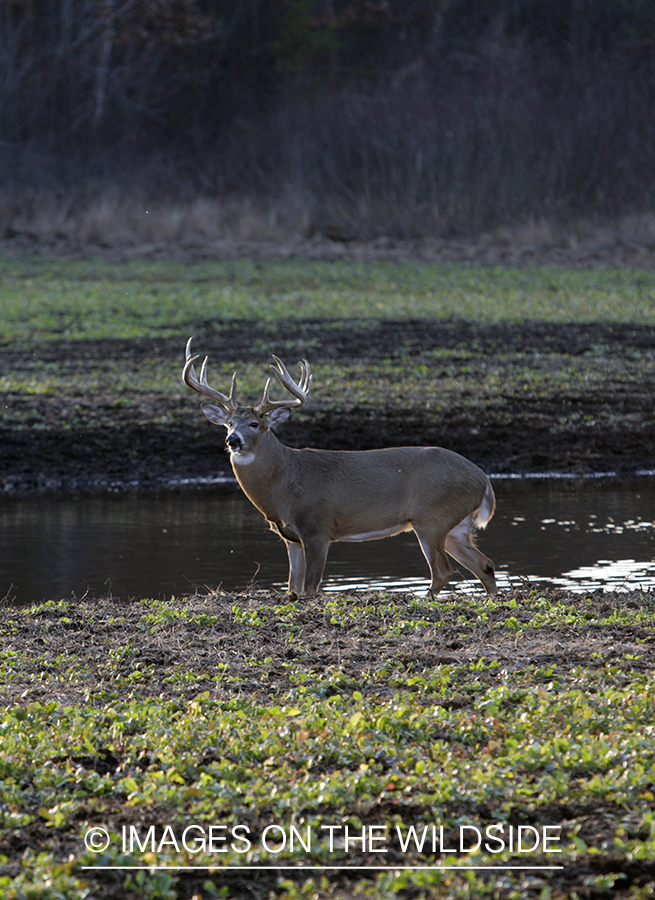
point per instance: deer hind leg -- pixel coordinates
(432, 545)
(460, 545)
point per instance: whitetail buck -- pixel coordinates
(314, 497)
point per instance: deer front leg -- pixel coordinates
(316, 550)
(296, 567)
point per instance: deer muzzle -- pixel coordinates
(234, 442)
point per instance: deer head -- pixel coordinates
(246, 424)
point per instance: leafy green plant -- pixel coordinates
(394, 737)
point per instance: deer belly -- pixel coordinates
(374, 535)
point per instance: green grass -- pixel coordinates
(259, 712)
(45, 299)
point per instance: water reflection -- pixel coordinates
(574, 534)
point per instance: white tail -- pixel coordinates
(314, 497)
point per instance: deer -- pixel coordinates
(313, 497)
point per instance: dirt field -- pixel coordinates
(585, 405)
(536, 397)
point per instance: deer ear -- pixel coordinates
(215, 414)
(277, 416)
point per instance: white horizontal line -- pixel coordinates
(301, 867)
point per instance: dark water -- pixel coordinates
(575, 533)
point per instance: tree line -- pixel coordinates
(421, 110)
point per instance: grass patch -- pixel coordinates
(76, 300)
(528, 709)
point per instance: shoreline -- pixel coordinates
(227, 481)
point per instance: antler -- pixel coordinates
(299, 391)
(190, 378)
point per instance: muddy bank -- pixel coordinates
(514, 399)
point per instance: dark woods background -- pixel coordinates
(396, 117)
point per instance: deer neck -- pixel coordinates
(263, 471)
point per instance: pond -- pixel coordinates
(580, 534)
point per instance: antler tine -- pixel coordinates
(299, 391)
(201, 384)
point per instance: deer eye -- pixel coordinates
(254, 424)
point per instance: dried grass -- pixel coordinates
(110, 219)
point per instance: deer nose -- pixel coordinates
(234, 442)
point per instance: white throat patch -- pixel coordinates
(240, 458)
